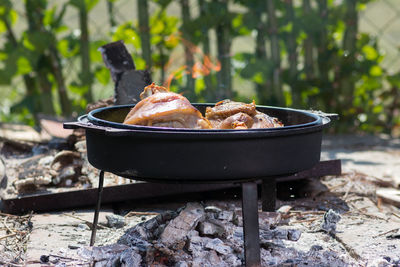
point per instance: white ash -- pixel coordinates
(219, 246)
(225, 215)
(111, 255)
(194, 236)
(83, 226)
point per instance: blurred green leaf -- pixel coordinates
(126, 33)
(376, 71)
(3, 56)
(103, 75)
(13, 16)
(90, 4)
(3, 27)
(163, 3)
(370, 52)
(84, 4)
(238, 23)
(68, 47)
(49, 16)
(200, 86)
(95, 54)
(23, 65)
(288, 27)
(259, 78)
(38, 41)
(394, 80)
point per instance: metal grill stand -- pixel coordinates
(97, 210)
(249, 211)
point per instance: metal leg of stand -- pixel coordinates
(250, 224)
(96, 212)
(268, 194)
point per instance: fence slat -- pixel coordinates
(275, 54)
(144, 31)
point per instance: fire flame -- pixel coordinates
(203, 64)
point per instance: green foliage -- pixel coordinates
(342, 72)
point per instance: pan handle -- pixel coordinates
(118, 132)
(331, 116)
(327, 118)
(72, 125)
(81, 123)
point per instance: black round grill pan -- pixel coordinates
(188, 155)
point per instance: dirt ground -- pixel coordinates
(367, 234)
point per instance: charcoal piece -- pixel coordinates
(219, 246)
(331, 218)
(394, 235)
(181, 264)
(3, 177)
(232, 260)
(115, 221)
(280, 233)
(210, 229)
(208, 259)
(44, 259)
(129, 86)
(226, 215)
(128, 257)
(175, 232)
(103, 253)
(294, 234)
(316, 248)
(117, 58)
(196, 244)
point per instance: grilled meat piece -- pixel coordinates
(162, 108)
(228, 114)
(237, 121)
(262, 120)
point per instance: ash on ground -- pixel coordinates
(45, 168)
(199, 235)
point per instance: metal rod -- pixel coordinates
(96, 212)
(250, 224)
(268, 194)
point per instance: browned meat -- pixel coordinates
(228, 114)
(262, 120)
(226, 108)
(162, 108)
(237, 121)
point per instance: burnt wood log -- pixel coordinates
(117, 58)
(129, 82)
(130, 85)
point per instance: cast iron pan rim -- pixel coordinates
(83, 122)
(97, 121)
